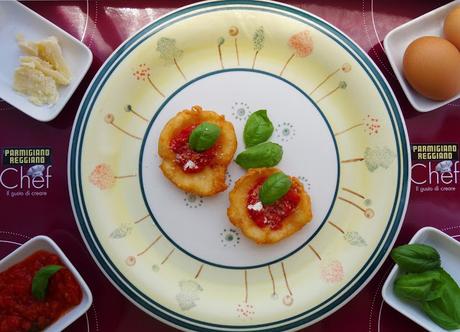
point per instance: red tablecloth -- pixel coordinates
(103, 25)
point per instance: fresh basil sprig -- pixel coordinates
(428, 284)
(275, 187)
(416, 257)
(41, 279)
(204, 136)
(266, 154)
(258, 128)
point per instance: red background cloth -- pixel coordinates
(103, 25)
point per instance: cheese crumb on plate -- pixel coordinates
(256, 207)
(190, 165)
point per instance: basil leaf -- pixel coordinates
(275, 187)
(437, 289)
(451, 296)
(445, 310)
(204, 136)
(258, 128)
(448, 280)
(438, 293)
(41, 278)
(424, 286)
(266, 154)
(416, 257)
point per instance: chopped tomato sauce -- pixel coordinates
(272, 215)
(19, 310)
(190, 161)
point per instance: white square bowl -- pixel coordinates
(397, 40)
(449, 250)
(45, 243)
(17, 19)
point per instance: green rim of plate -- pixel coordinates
(171, 317)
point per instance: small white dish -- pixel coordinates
(449, 250)
(45, 243)
(396, 42)
(18, 19)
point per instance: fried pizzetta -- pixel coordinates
(209, 180)
(266, 233)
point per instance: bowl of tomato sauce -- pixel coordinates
(40, 289)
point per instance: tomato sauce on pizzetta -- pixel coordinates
(190, 161)
(272, 215)
(19, 310)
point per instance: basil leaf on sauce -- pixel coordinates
(41, 278)
(416, 257)
(266, 154)
(204, 136)
(275, 187)
(258, 128)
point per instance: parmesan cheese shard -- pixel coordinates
(45, 67)
(49, 50)
(39, 88)
(27, 47)
(41, 70)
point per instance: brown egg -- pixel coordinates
(432, 67)
(452, 27)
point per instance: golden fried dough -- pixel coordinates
(210, 180)
(239, 216)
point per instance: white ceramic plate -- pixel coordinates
(45, 243)
(17, 19)
(396, 42)
(176, 255)
(449, 250)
